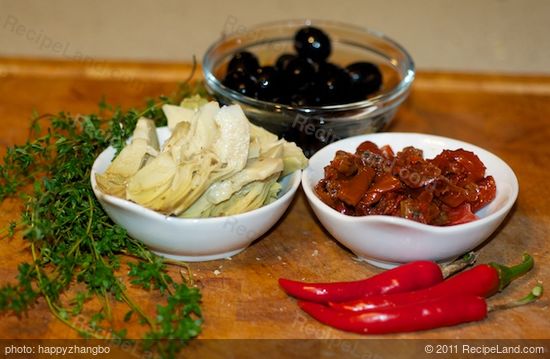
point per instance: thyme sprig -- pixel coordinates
(73, 242)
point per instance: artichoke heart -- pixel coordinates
(194, 102)
(265, 138)
(151, 181)
(252, 196)
(256, 170)
(166, 187)
(214, 163)
(176, 115)
(211, 146)
(293, 158)
(233, 144)
(184, 112)
(143, 147)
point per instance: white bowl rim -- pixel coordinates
(505, 207)
(293, 177)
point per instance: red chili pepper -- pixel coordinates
(433, 313)
(483, 280)
(430, 314)
(407, 277)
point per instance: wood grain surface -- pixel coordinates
(507, 115)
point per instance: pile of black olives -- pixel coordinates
(305, 78)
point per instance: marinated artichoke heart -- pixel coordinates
(215, 163)
(187, 109)
(134, 156)
(212, 146)
(219, 199)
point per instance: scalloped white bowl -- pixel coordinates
(192, 240)
(387, 241)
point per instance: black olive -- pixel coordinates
(332, 84)
(269, 83)
(241, 82)
(325, 68)
(243, 61)
(283, 60)
(315, 95)
(308, 95)
(366, 79)
(305, 79)
(335, 87)
(312, 43)
(299, 72)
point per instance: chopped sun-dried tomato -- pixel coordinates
(445, 190)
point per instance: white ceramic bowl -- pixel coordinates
(192, 240)
(387, 241)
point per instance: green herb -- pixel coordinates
(73, 242)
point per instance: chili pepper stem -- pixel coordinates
(535, 294)
(459, 264)
(508, 274)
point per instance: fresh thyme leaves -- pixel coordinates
(74, 243)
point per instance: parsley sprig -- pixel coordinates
(77, 251)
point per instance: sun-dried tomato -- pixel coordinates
(445, 190)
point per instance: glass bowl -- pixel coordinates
(313, 127)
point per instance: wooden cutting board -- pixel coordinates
(507, 115)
